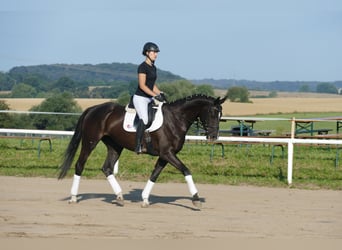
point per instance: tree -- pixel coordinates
(273, 94)
(304, 88)
(177, 89)
(81, 92)
(326, 88)
(238, 94)
(36, 81)
(124, 98)
(60, 103)
(65, 84)
(111, 91)
(6, 82)
(23, 90)
(5, 118)
(132, 86)
(205, 90)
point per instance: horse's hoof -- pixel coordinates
(196, 201)
(197, 204)
(73, 199)
(145, 203)
(119, 200)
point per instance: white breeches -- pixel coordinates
(141, 106)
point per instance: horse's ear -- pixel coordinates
(220, 101)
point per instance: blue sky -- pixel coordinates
(260, 40)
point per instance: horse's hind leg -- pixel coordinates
(84, 154)
(107, 168)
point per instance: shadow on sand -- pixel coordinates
(135, 197)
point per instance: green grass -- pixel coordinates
(314, 167)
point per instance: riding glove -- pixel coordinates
(160, 98)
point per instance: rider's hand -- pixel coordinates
(159, 98)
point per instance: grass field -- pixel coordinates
(314, 167)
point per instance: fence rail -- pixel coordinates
(289, 141)
(13, 131)
(37, 112)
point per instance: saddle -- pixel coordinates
(155, 117)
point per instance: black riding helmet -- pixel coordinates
(150, 47)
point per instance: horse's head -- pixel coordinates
(210, 118)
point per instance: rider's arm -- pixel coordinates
(143, 86)
(156, 90)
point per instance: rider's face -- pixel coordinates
(152, 55)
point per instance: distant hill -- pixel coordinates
(120, 72)
(99, 74)
(287, 86)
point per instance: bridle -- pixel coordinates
(205, 126)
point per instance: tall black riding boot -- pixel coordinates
(139, 136)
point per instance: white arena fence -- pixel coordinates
(289, 141)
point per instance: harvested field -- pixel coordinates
(285, 103)
(24, 104)
(282, 105)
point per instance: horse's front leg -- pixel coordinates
(177, 163)
(160, 164)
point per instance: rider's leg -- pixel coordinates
(141, 106)
(139, 136)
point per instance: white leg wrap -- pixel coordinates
(75, 185)
(116, 167)
(191, 185)
(114, 184)
(147, 190)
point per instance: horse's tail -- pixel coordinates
(72, 147)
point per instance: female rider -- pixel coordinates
(147, 90)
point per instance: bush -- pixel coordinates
(60, 103)
(238, 94)
(326, 88)
(5, 118)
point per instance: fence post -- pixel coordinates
(290, 153)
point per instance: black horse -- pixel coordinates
(104, 123)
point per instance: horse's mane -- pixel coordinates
(191, 98)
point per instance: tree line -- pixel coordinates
(83, 81)
(65, 103)
(110, 80)
(332, 87)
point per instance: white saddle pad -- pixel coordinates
(128, 123)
